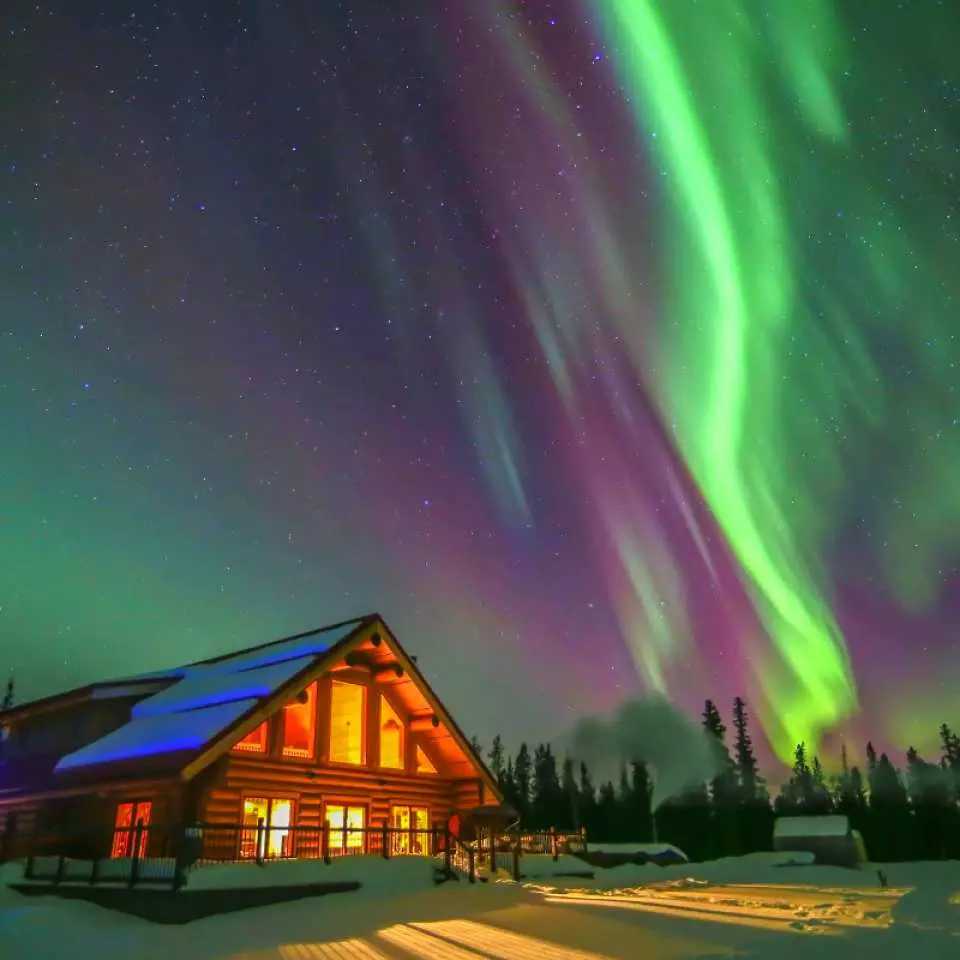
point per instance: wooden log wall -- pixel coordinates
(311, 787)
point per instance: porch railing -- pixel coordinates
(150, 854)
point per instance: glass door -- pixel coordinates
(347, 828)
(275, 817)
(409, 831)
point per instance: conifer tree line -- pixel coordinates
(903, 814)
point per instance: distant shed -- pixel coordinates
(829, 838)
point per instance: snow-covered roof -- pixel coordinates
(826, 826)
(205, 698)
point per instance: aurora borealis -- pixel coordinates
(600, 346)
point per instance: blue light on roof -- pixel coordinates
(153, 736)
(204, 700)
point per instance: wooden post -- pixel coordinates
(516, 861)
(58, 873)
(385, 841)
(583, 839)
(260, 841)
(135, 853)
(472, 864)
(325, 842)
(95, 870)
(493, 851)
(34, 843)
(447, 849)
(434, 841)
(554, 844)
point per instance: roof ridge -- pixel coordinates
(219, 658)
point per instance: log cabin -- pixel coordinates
(336, 726)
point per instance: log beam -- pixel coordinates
(423, 724)
(389, 674)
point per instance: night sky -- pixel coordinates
(600, 347)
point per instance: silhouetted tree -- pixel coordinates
(931, 796)
(889, 834)
(587, 799)
(744, 757)
(638, 802)
(546, 804)
(496, 760)
(8, 695)
(570, 796)
(522, 778)
(606, 814)
(510, 792)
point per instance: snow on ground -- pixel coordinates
(749, 907)
(374, 873)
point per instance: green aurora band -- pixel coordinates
(759, 117)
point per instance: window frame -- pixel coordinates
(401, 767)
(310, 757)
(347, 804)
(364, 710)
(127, 834)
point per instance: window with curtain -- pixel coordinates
(300, 724)
(391, 736)
(347, 707)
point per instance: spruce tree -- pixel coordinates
(522, 778)
(745, 759)
(573, 819)
(8, 695)
(495, 759)
(587, 801)
(606, 814)
(724, 786)
(545, 794)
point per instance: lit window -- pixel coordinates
(347, 828)
(129, 815)
(300, 724)
(391, 736)
(255, 741)
(424, 764)
(347, 706)
(409, 830)
(266, 828)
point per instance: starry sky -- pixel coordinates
(602, 347)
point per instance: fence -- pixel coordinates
(162, 855)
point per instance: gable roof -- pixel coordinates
(206, 699)
(205, 707)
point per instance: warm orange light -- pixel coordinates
(266, 827)
(467, 939)
(346, 825)
(424, 763)
(125, 824)
(415, 824)
(336, 950)
(255, 741)
(347, 706)
(300, 724)
(391, 736)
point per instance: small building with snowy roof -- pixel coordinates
(829, 838)
(331, 736)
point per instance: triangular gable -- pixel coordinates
(441, 712)
(269, 705)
